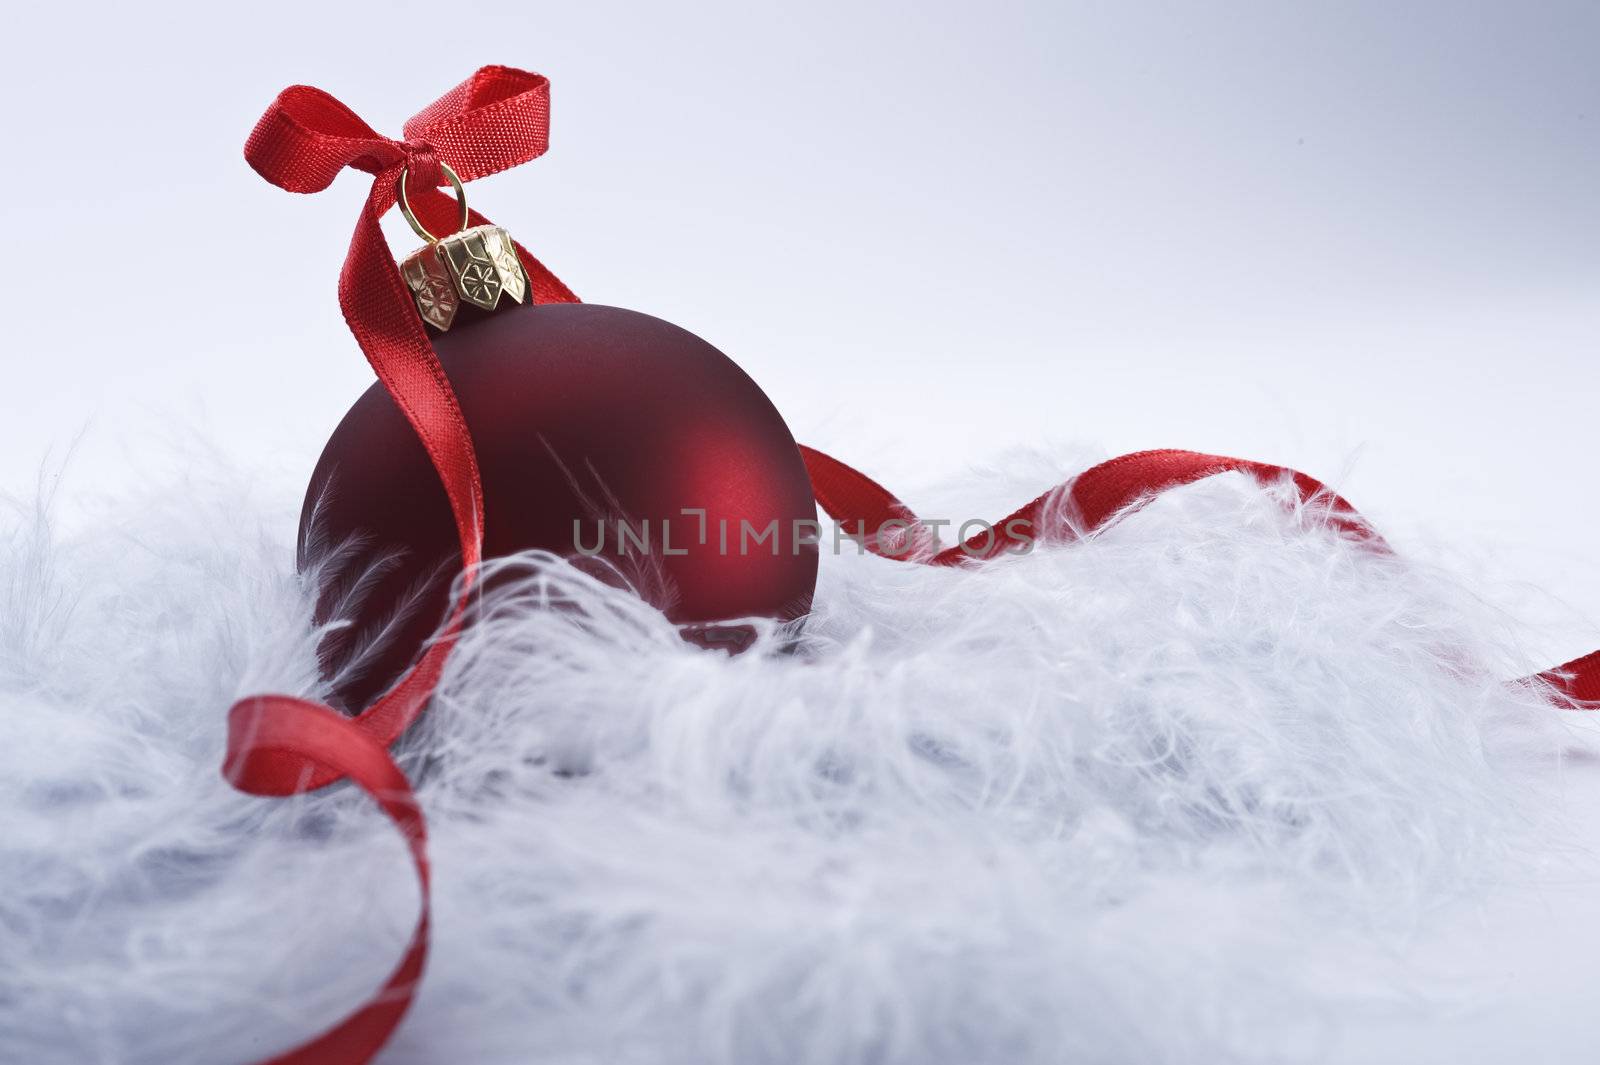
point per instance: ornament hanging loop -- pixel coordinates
(474, 265)
(405, 202)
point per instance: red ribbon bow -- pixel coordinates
(496, 119)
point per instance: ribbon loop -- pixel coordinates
(307, 136)
(497, 119)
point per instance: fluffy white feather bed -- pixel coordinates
(1215, 785)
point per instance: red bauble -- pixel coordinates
(583, 417)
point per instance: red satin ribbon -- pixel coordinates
(1102, 493)
(281, 745)
(1069, 512)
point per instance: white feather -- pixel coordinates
(1179, 792)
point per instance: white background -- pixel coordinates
(1362, 238)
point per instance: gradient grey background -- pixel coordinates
(1358, 238)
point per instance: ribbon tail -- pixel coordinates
(1101, 494)
(293, 735)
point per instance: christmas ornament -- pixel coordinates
(601, 434)
(584, 377)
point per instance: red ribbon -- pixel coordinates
(496, 119)
(279, 744)
(1069, 512)
(1103, 493)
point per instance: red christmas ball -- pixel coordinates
(601, 434)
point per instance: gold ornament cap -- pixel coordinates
(477, 265)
